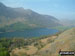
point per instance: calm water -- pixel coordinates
(30, 33)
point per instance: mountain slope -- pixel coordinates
(10, 16)
(65, 42)
(48, 46)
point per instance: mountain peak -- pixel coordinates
(19, 8)
(2, 5)
(29, 10)
(28, 15)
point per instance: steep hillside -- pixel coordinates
(11, 16)
(49, 46)
(65, 41)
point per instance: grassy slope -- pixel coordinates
(50, 46)
(61, 28)
(65, 41)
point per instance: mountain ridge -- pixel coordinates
(9, 16)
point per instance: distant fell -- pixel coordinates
(11, 16)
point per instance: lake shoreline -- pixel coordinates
(30, 33)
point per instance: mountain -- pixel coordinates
(69, 22)
(20, 18)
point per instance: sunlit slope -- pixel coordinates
(65, 42)
(49, 46)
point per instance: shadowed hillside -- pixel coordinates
(20, 18)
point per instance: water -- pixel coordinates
(30, 33)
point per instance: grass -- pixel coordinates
(61, 28)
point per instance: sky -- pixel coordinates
(61, 9)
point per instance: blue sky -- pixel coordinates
(61, 9)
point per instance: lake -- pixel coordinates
(30, 33)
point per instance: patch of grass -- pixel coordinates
(61, 28)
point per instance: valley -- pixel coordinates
(36, 28)
(41, 46)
